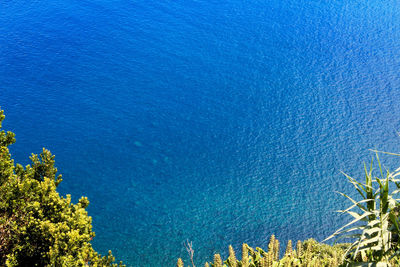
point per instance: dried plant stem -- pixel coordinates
(189, 247)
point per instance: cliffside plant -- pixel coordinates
(309, 253)
(374, 222)
(38, 227)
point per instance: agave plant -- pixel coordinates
(375, 221)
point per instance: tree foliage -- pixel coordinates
(38, 227)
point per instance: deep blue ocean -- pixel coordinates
(220, 122)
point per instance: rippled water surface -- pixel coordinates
(218, 122)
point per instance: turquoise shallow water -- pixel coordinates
(217, 122)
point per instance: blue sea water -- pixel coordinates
(220, 122)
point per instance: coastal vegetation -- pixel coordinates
(309, 253)
(374, 227)
(373, 231)
(38, 227)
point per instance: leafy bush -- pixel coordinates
(38, 227)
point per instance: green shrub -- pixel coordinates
(38, 227)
